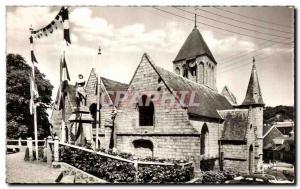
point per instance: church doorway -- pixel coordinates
(250, 159)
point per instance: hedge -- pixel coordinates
(114, 170)
(217, 177)
(164, 174)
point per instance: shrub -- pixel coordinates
(212, 177)
(218, 177)
(230, 174)
(105, 168)
(114, 170)
(164, 174)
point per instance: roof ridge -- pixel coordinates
(113, 80)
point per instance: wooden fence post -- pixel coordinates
(49, 151)
(55, 149)
(29, 145)
(136, 166)
(19, 142)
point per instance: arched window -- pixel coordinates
(143, 148)
(204, 140)
(185, 70)
(194, 70)
(201, 72)
(212, 75)
(251, 159)
(177, 70)
(93, 112)
(146, 111)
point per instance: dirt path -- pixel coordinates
(20, 171)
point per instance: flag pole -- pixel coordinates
(98, 105)
(34, 104)
(63, 124)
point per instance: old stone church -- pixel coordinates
(218, 129)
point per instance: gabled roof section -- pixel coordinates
(229, 95)
(209, 100)
(253, 95)
(266, 129)
(235, 124)
(193, 47)
(112, 85)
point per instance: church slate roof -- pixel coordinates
(266, 128)
(210, 101)
(227, 93)
(113, 87)
(235, 125)
(253, 95)
(193, 47)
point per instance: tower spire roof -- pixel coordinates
(253, 95)
(194, 46)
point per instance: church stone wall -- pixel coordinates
(235, 157)
(214, 133)
(171, 134)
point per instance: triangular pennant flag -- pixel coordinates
(64, 70)
(33, 59)
(65, 19)
(34, 94)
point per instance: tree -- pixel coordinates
(278, 113)
(18, 117)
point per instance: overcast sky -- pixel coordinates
(125, 33)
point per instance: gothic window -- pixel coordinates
(192, 67)
(250, 161)
(204, 140)
(194, 70)
(185, 70)
(146, 111)
(212, 75)
(177, 70)
(201, 72)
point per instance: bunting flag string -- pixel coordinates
(62, 18)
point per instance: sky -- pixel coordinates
(125, 33)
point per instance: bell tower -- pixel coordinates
(255, 104)
(194, 60)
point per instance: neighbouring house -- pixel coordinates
(285, 127)
(281, 149)
(269, 133)
(216, 129)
